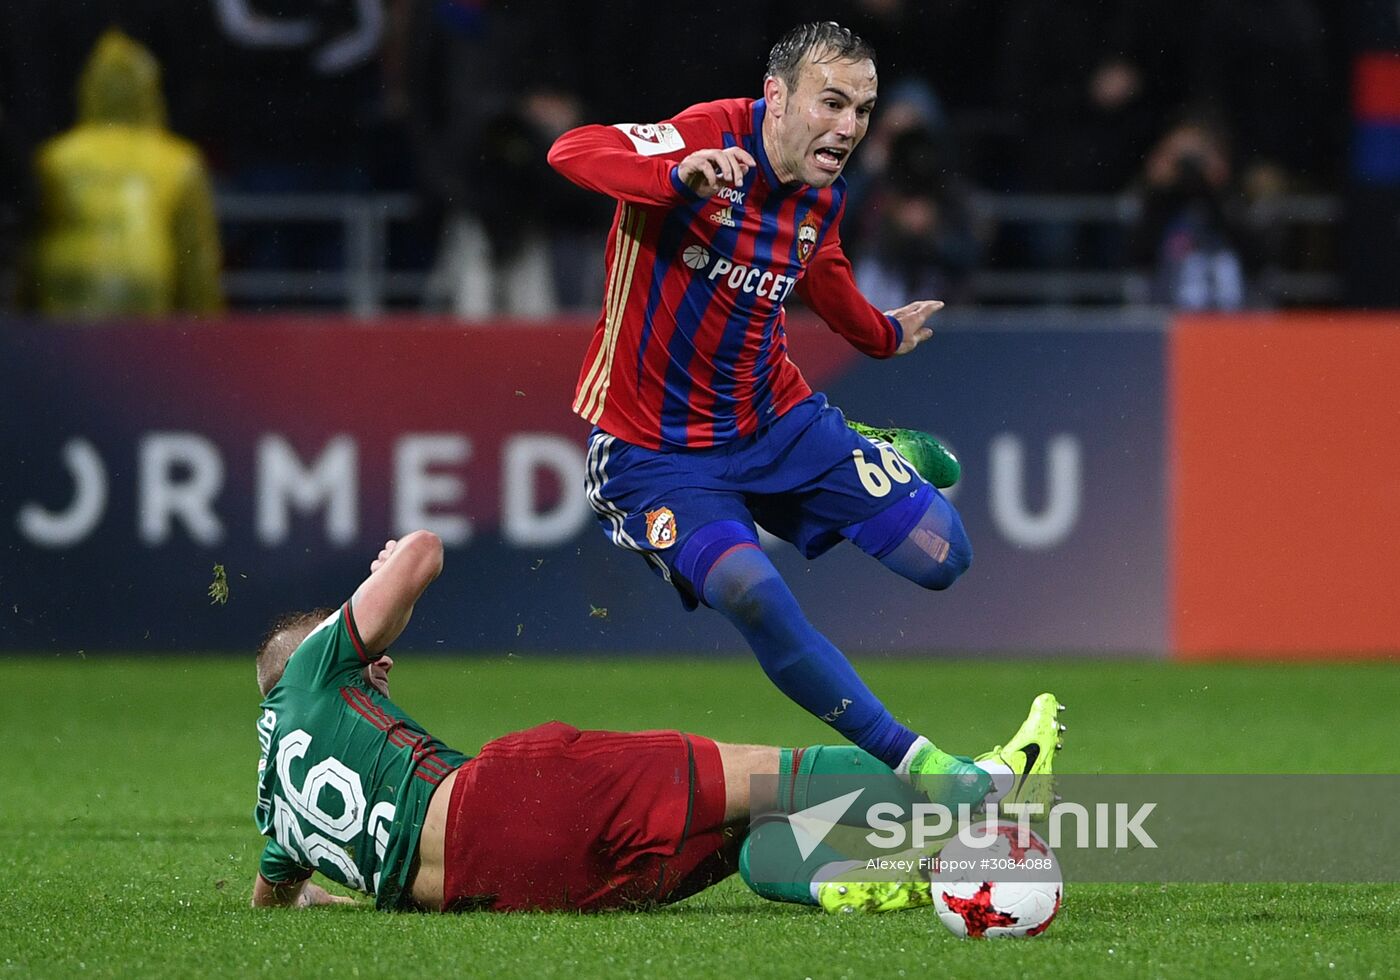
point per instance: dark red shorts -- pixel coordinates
(556, 818)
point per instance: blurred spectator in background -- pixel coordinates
(1146, 65)
(948, 47)
(1083, 125)
(923, 241)
(486, 88)
(126, 218)
(1191, 242)
(43, 47)
(906, 106)
(514, 241)
(1262, 65)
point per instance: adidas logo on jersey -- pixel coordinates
(724, 216)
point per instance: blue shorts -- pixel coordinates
(807, 478)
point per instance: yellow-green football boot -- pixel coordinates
(901, 889)
(1028, 758)
(873, 896)
(934, 461)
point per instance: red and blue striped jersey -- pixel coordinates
(691, 350)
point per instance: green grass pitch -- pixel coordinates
(127, 848)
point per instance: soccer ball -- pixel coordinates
(1001, 890)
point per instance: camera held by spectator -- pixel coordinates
(1190, 240)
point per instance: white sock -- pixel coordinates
(1002, 780)
(919, 743)
(830, 872)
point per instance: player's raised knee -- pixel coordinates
(939, 575)
(742, 594)
(723, 563)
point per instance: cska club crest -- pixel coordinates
(661, 527)
(806, 238)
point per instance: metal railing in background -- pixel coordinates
(365, 283)
(1276, 283)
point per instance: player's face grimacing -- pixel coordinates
(822, 120)
(377, 674)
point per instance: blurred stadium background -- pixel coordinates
(1169, 235)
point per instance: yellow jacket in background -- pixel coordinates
(127, 217)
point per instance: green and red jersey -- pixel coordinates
(345, 775)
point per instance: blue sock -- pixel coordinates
(747, 589)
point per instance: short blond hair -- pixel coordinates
(281, 641)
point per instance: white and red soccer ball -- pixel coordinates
(975, 895)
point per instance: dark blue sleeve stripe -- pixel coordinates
(898, 331)
(682, 186)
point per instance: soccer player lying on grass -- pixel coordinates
(548, 818)
(704, 428)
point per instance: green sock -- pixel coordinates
(770, 861)
(842, 769)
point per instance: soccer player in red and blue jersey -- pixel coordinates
(704, 428)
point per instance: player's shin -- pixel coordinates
(803, 664)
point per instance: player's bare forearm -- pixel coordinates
(275, 895)
(293, 894)
(384, 601)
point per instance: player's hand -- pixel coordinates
(313, 895)
(384, 554)
(706, 171)
(911, 318)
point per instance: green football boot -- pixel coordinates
(931, 458)
(949, 779)
(1030, 755)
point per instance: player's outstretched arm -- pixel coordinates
(829, 289)
(293, 894)
(604, 159)
(275, 895)
(384, 602)
(653, 164)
